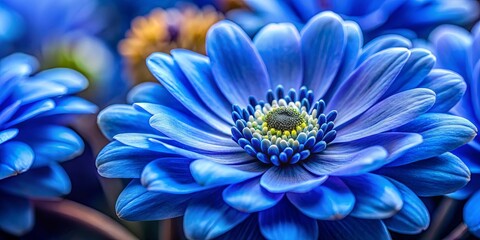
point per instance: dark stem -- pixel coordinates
(166, 229)
(460, 232)
(87, 217)
(444, 212)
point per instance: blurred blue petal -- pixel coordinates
(471, 213)
(15, 158)
(43, 182)
(16, 214)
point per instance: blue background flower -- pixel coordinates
(353, 170)
(33, 137)
(65, 33)
(406, 17)
(459, 50)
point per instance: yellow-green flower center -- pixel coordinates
(284, 119)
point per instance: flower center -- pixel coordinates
(285, 129)
(163, 30)
(284, 118)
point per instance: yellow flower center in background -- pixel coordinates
(163, 30)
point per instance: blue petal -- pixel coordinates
(332, 200)
(52, 143)
(375, 196)
(475, 89)
(249, 196)
(471, 213)
(210, 217)
(388, 114)
(452, 47)
(468, 189)
(29, 92)
(165, 145)
(248, 229)
(415, 70)
(71, 79)
(283, 59)
(164, 68)
(44, 182)
(476, 42)
(228, 48)
(291, 178)
(210, 173)
(382, 43)
(284, 221)
(149, 92)
(30, 111)
(16, 214)
(413, 217)
(354, 43)
(362, 155)
(116, 157)
(135, 203)
(441, 133)
(8, 134)
(270, 11)
(351, 228)
(144, 141)
(117, 119)
(448, 87)
(18, 64)
(71, 105)
(180, 128)
(170, 175)
(197, 70)
(323, 44)
(431, 177)
(367, 84)
(363, 161)
(15, 158)
(8, 111)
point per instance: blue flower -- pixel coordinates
(408, 17)
(33, 137)
(63, 33)
(458, 50)
(33, 24)
(326, 137)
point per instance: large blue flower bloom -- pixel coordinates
(33, 138)
(292, 166)
(459, 50)
(409, 17)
